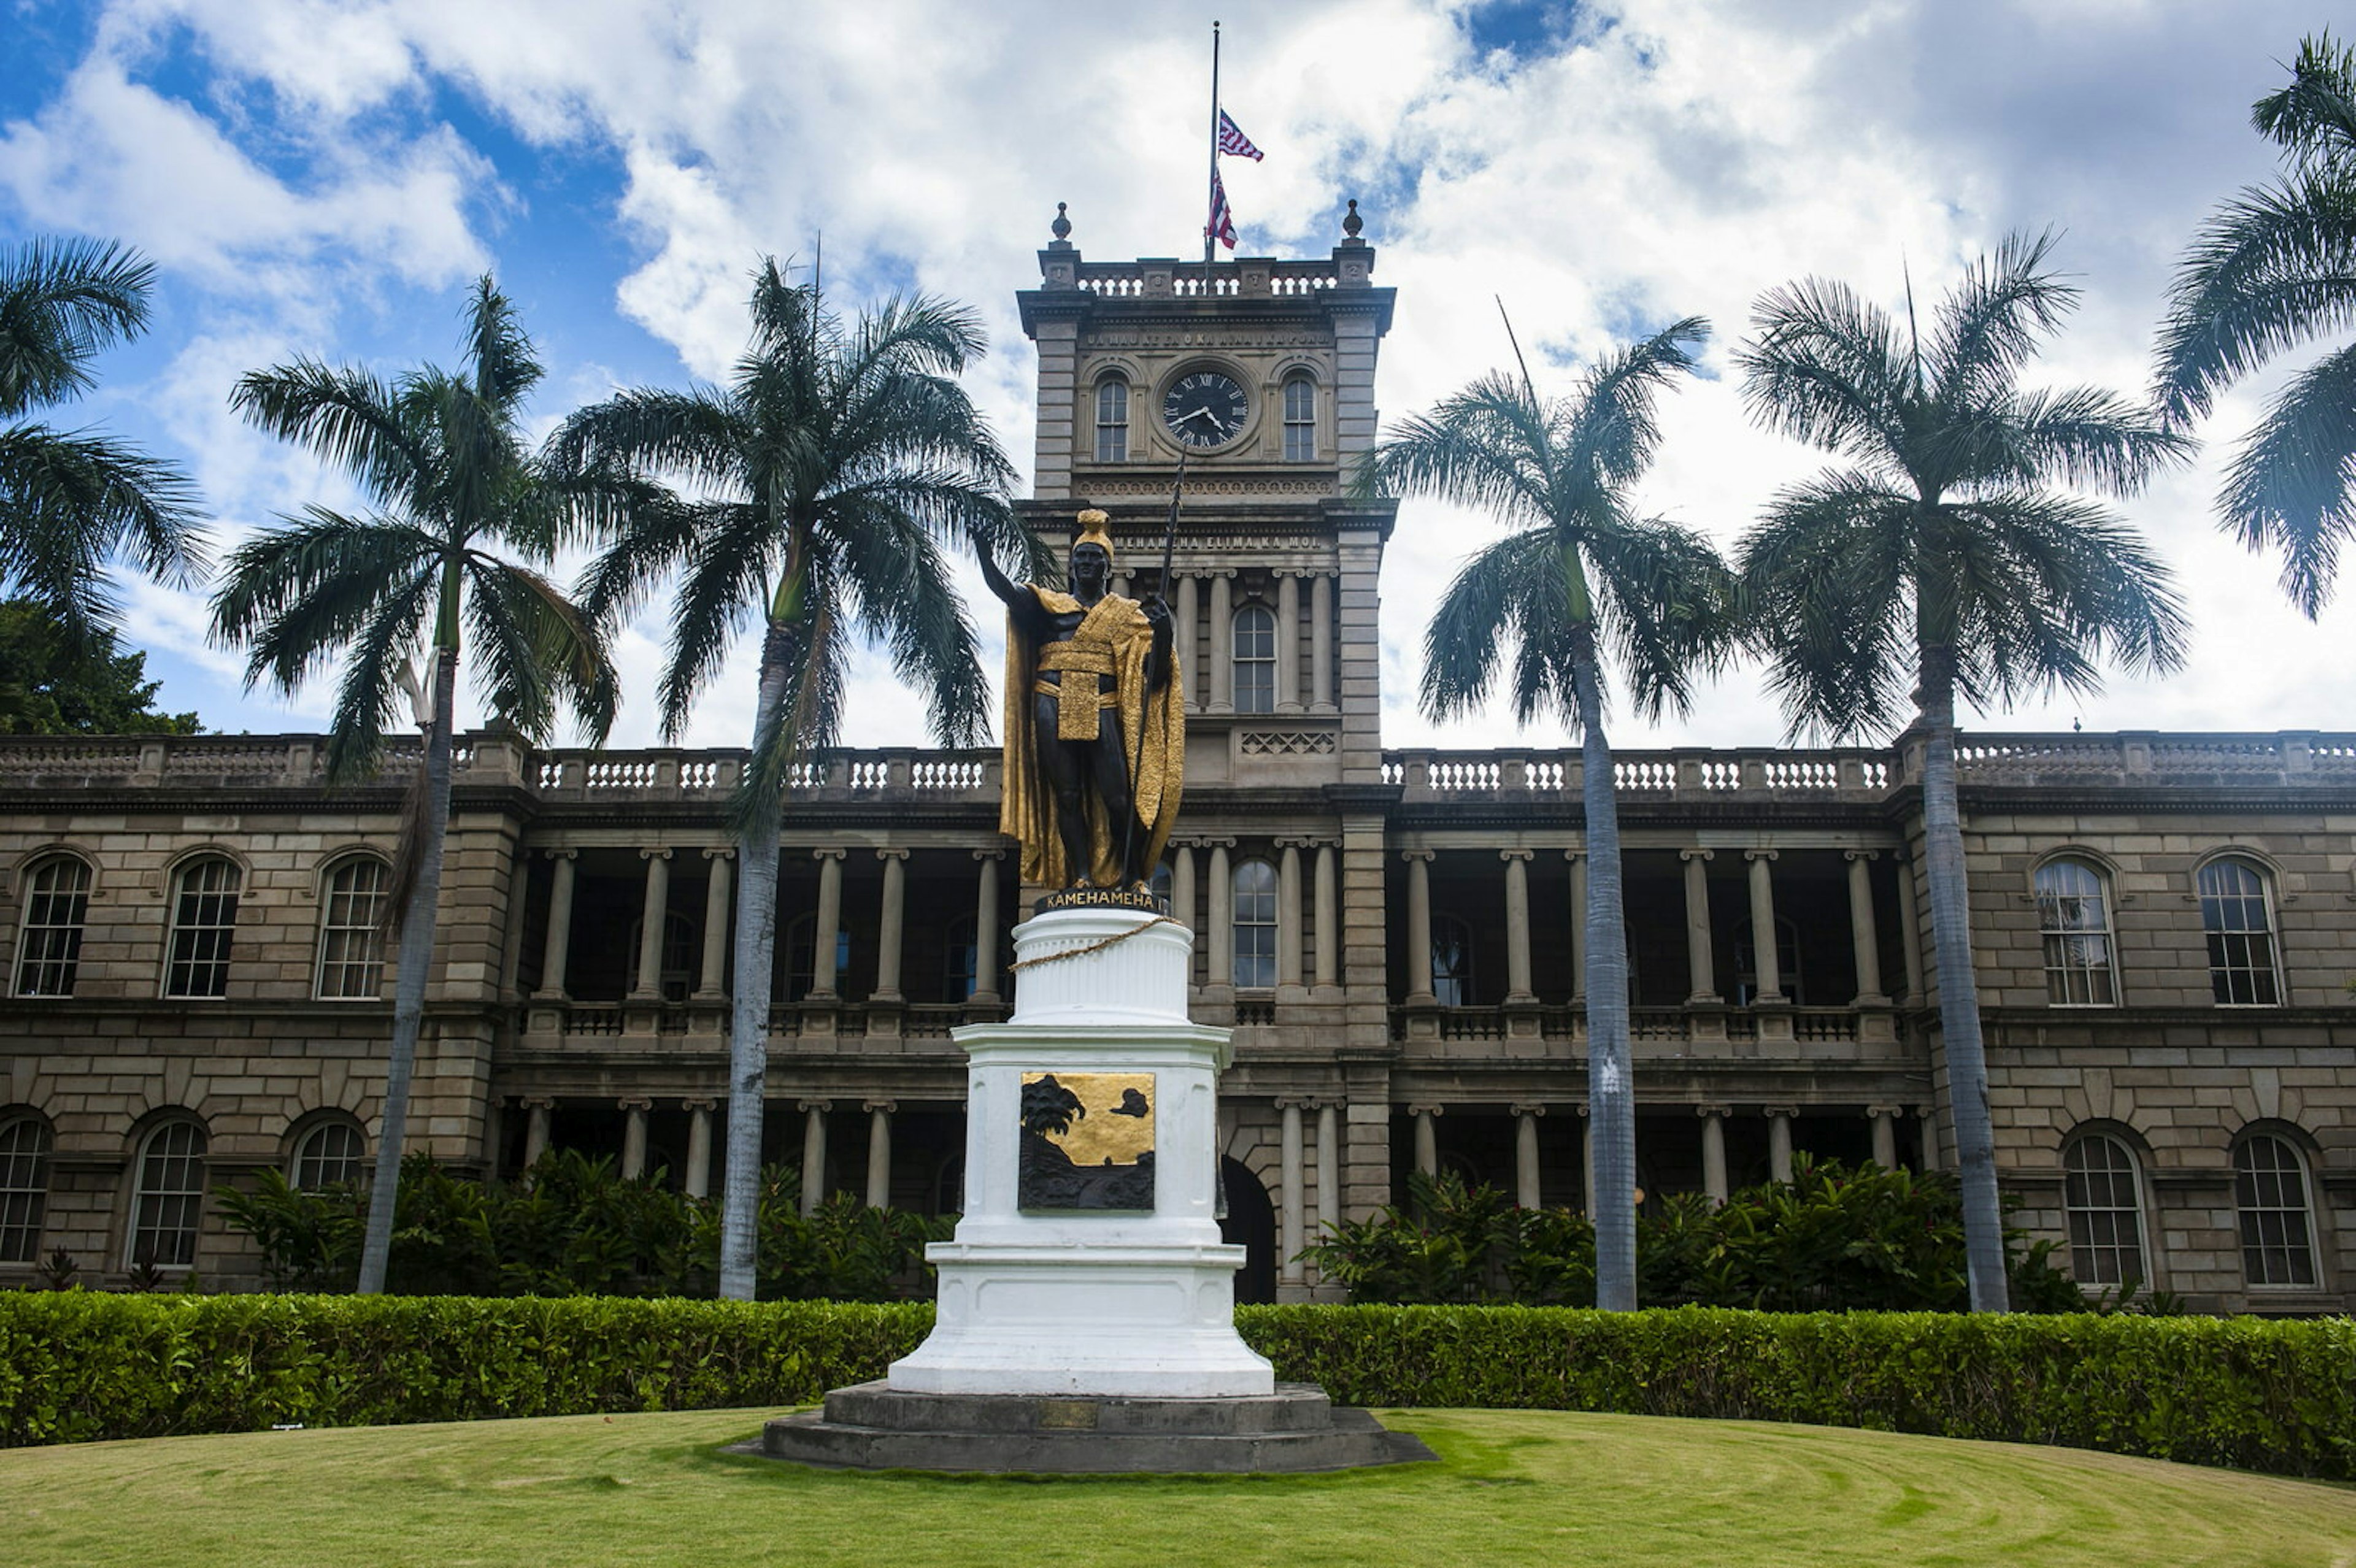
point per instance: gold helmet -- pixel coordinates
(1095, 528)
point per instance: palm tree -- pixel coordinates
(832, 467)
(2276, 268)
(443, 460)
(1580, 573)
(70, 502)
(1941, 562)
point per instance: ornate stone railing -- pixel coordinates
(1246, 277)
(2148, 758)
(1684, 775)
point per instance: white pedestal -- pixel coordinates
(1132, 1305)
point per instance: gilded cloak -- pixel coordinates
(1115, 638)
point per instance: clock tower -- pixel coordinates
(1262, 373)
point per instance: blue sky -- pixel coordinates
(325, 177)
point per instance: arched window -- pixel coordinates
(2102, 1197)
(1255, 922)
(2277, 1227)
(327, 1156)
(1255, 659)
(56, 902)
(2237, 914)
(24, 1186)
(2073, 909)
(351, 929)
(204, 918)
(171, 1191)
(958, 962)
(1112, 419)
(1452, 960)
(1299, 420)
(801, 936)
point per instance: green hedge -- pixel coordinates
(2276, 1396)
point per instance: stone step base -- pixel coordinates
(873, 1426)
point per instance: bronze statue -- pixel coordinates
(1091, 802)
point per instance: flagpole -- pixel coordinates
(1211, 191)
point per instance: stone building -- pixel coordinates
(2164, 925)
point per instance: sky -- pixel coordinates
(326, 178)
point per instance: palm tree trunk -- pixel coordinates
(748, 1028)
(415, 963)
(1959, 1002)
(1611, 1087)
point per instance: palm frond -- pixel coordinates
(1824, 366)
(897, 587)
(1610, 429)
(71, 503)
(534, 649)
(2291, 486)
(1989, 326)
(349, 420)
(295, 595)
(501, 364)
(1667, 607)
(1826, 581)
(2313, 118)
(63, 302)
(1499, 593)
(369, 697)
(2273, 268)
(1485, 447)
(2081, 435)
(728, 565)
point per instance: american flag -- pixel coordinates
(1233, 141)
(1222, 226)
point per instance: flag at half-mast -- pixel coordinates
(1233, 141)
(1222, 226)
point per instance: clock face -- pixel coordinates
(1203, 408)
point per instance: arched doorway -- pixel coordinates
(1249, 1224)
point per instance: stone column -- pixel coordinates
(652, 916)
(1701, 964)
(1910, 935)
(1327, 971)
(1292, 1216)
(1577, 859)
(1223, 642)
(535, 1130)
(633, 1135)
(1288, 916)
(1779, 1141)
(712, 985)
(1329, 1166)
(985, 928)
(699, 1148)
(1929, 1114)
(1287, 642)
(1223, 917)
(1427, 1138)
(1186, 640)
(1419, 928)
(1885, 1135)
(1525, 1153)
(1517, 925)
(1320, 642)
(891, 925)
(1713, 1152)
(1767, 963)
(559, 942)
(814, 1153)
(1862, 937)
(827, 928)
(1184, 905)
(878, 1152)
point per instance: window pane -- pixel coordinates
(2074, 909)
(171, 1190)
(1255, 660)
(1113, 420)
(2103, 1204)
(1300, 421)
(56, 902)
(1255, 924)
(2270, 1188)
(351, 932)
(24, 1189)
(204, 917)
(327, 1156)
(1451, 961)
(2235, 915)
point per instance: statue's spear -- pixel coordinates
(1137, 751)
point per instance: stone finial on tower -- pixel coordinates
(1062, 227)
(1352, 223)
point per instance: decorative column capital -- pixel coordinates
(1574, 856)
(1860, 854)
(886, 1106)
(1423, 1110)
(1787, 1112)
(720, 852)
(633, 1102)
(836, 853)
(1295, 841)
(1325, 1102)
(1756, 854)
(890, 854)
(562, 854)
(1892, 1112)
(1528, 1108)
(654, 852)
(814, 1104)
(990, 854)
(706, 1105)
(536, 1102)
(1721, 1112)
(1413, 854)
(1292, 1103)
(1516, 854)
(1697, 854)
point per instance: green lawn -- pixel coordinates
(1512, 1487)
